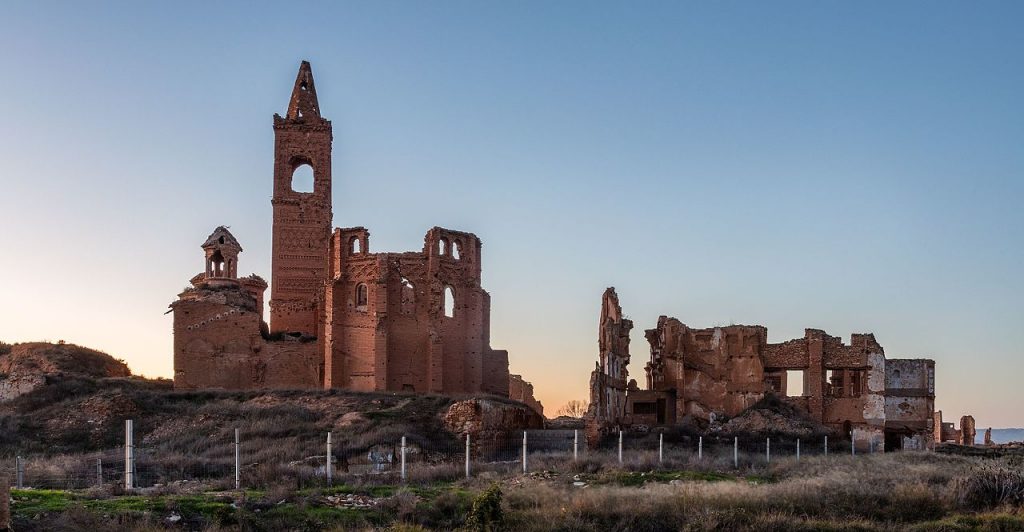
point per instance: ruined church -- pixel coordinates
(341, 316)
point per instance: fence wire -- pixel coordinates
(307, 460)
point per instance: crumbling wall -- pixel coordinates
(713, 371)
(414, 321)
(218, 344)
(522, 391)
(967, 431)
(608, 381)
(489, 423)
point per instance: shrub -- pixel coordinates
(989, 487)
(486, 514)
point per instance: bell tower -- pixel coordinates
(302, 218)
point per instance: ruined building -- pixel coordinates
(720, 371)
(608, 382)
(946, 432)
(340, 315)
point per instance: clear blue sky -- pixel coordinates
(850, 166)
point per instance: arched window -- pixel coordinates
(449, 302)
(302, 178)
(457, 250)
(217, 264)
(355, 245)
(444, 246)
(361, 296)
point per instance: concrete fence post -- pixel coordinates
(99, 472)
(330, 472)
(403, 458)
(736, 452)
(524, 452)
(768, 450)
(467, 455)
(575, 445)
(238, 460)
(853, 446)
(19, 467)
(700, 447)
(661, 447)
(129, 456)
(826, 445)
(620, 447)
(798, 449)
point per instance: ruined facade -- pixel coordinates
(340, 316)
(946, 432)
(522, 391)
(609, 380)
(720, 371)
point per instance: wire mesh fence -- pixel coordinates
(322, 459)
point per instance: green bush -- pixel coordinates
(486, 514)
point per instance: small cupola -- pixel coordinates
(222, 254)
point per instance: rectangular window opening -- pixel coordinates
(795, 383)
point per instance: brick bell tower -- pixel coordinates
(302, 220)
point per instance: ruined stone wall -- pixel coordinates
(609, 380)
(717, 370)
(388, 324)
(851, 388)
(218, 344)
(522, 391)
(910, 394)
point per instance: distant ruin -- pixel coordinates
(708, 374)
(340, 316)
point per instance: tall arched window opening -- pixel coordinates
(361, 296)
(449, 302)
(302, 179)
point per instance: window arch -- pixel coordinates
(361, 296)
(448, 302)
(355, 246)
(457, 249)
(217, 264)
(443, 246)
(302, 178)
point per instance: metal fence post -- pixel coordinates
(826, 445)
(129, 456)
(700, 447)
(238, 460)
(853, 447)
(575, 445)
(524, 452)
(99, 471)
(798, 449)
(19, 466)
(467, 455)
(768, 450)
(403, 458)
(661, 447)
(330, 473)
(736, 452)
(620, 447)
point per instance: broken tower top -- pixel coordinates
(303, 103)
